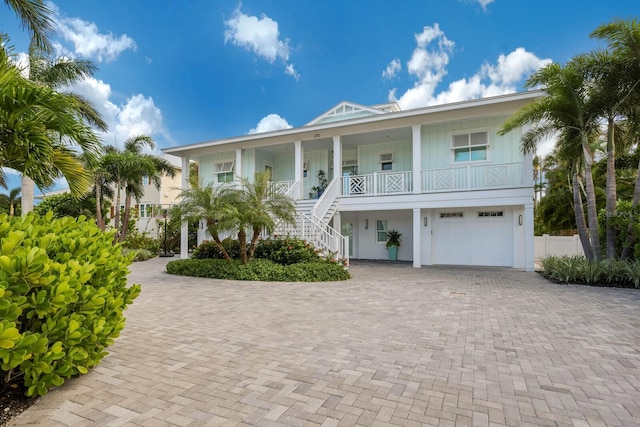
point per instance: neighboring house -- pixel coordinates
(151, 205)
(459, 193)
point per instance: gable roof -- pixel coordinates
(350, 110)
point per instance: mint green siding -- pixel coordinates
(369, 156)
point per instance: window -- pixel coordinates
(386, 161)
(224, 171)
(490, 213)
(350, 167)
(146, 210)
(381, 231)
(470, 147)
(305, 168)
(451, 215)
(145, 180)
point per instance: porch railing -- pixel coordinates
(473, 177)
(378, 183)
(329, 195)
(283, 187)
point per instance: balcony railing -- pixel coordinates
(473, 177)
(283, 187)
(377, 183)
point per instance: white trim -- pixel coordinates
(469, 132)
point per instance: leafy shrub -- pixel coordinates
(63, 290)
(142, 241)
(258, 269)
(577, 269)
(138, 254)
(209, 250)
(287, 250)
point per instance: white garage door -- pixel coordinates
(473, 237)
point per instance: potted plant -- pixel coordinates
(393, 243)
(317, 190)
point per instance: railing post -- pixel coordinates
(375, 183)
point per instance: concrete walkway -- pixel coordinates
(393, 346)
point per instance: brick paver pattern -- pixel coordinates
(393, 346)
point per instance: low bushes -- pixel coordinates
(63, 290)
(577, 269)
(259, 269)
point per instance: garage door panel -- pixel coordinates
(478, 237)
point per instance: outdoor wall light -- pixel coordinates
(520, 219)
(366, 224)
(425, 221)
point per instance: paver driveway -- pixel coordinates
(393, 346)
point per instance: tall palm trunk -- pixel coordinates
(125, 219)
(27, 188)
(117, 212)
(581, 223)
(631, 238)
(592, 210)
(611, 190)
(242, 240)
(99, 217)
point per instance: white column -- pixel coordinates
(337, 225)
(529, 250)
(417, 158)
(528, 170)
(299, 169)
(184, 229)
(417, 244)
(337, 156)
(238, 170)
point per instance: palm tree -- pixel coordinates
(211, 204)
(142, 165)
(58, 74)
(36, 17)
(565, 109)
(10, 201)
(37, 127)
(623, 38)
(256, 208)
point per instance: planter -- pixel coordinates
(393, 253)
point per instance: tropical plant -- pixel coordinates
(566, 110)
(9, 203)
(393, 239)
(37, 129)
(623, 38)
(254, 207)
(64, 290)
(35, 16)
(66, 205)
(59, 74)
(318, 189)
(209, 204)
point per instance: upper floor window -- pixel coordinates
(386, 161)
(145, 180)
(470, 147)
(224, 171)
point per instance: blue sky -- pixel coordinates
(185, 71)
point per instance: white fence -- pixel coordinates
(546, 246)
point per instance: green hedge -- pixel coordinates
(259, 269)
(63, 290)
(578, 270)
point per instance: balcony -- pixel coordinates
(458, 178)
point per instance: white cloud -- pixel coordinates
(392, 69)
(269, 123)
(483, 3)
(87, 40)
(137, 116)
(429, 61)
(260, 35)
(290, 70)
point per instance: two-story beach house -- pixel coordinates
(440, 175)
